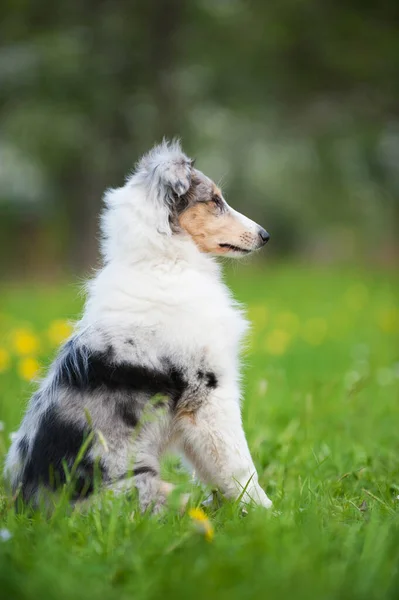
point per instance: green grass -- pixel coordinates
(322, 417)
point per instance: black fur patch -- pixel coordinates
(211, 380)
(55, 446)
(87, 371)
(126, 412)
(137, 471)
(143, 470)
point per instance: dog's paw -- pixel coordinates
(154, 505)
(257, 496)
(266, 502)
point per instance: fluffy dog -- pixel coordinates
(153, 364)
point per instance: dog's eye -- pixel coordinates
(217, 201)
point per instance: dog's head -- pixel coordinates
(193, 204)
(215, 227)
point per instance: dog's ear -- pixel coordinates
(165, 172)
(176, 175)
(168, 169)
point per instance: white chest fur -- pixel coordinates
(191, 309)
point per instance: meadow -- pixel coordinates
(321, 412)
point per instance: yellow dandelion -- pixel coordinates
(277, 342)
(314, 331)
(24, 342)
(58, 331)
(4, 360)
(388, 320)
(202, 523)
(28, 368)
(356, 296)
(288, 321)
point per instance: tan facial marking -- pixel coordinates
(209, 227)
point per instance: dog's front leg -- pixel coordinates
(213, 440)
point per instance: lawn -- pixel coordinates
(321, 413)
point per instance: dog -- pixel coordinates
(153, 364)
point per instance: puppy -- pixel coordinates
(153, 364)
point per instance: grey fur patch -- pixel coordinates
(200, 190)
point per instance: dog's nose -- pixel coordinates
(264, 236)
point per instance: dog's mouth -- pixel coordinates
(234, 248)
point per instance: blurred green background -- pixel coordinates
(293, 105)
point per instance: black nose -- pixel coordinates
(264, 236)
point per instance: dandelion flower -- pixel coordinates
(4, 360)
(58, 331)
(24, 342)
(5, 535)
(28, 368)
(202, 523)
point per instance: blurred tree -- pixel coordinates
(297, 100)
